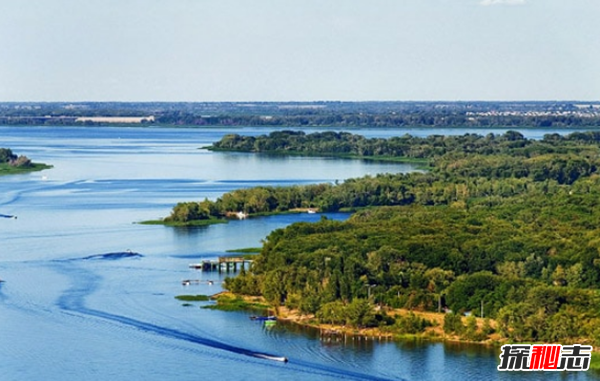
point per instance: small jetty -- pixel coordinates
(222, 264)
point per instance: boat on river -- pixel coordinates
(272, 358)
(263, 318)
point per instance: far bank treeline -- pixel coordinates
(555, 114)
(460, 167)
(500, 225)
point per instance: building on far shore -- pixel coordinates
(115, 119)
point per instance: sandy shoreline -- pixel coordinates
(434, 333)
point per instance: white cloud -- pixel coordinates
(501, 2)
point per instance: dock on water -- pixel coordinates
(227, 264)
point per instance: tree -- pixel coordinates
(332, 313)
(359, 313)
(273, 287)
(188, 211)
(453, 323)
(21, 162)
(6, 155)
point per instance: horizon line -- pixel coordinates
(314, 101)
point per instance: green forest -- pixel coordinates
(459, 169)
(499, 225)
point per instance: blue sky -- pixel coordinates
(282, 50)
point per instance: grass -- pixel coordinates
(193, 298)
(6, 169)
(236, 303)
(248, 253)
(595, 362)
(248, 250)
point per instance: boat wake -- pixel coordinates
(85, 283)
(114, 256)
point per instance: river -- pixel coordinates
(71, 311)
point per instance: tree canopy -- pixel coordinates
(502, 225)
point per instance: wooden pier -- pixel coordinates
(227, 264)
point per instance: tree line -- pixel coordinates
(460, 168)
(316, 114)
(501, 227)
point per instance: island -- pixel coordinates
(11, 163)
(497, 241)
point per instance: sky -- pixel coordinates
(300, 50)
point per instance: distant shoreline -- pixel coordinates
(321, 114)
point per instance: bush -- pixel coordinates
(411, 324)
(453, 324)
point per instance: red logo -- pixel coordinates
(545, 357)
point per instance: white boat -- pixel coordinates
(272, 358)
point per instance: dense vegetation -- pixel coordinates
(500, 225)
(11, 163)
(461, 168)
(8, 157)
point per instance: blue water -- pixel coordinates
(89, 294)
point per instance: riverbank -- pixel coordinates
(433, 332)
(227, 301)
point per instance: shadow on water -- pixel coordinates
(185, 231)
(469, 350)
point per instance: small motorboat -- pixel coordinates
(272, 358)
(263, 318)
(279, 358)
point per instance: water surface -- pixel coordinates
(71, 309)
